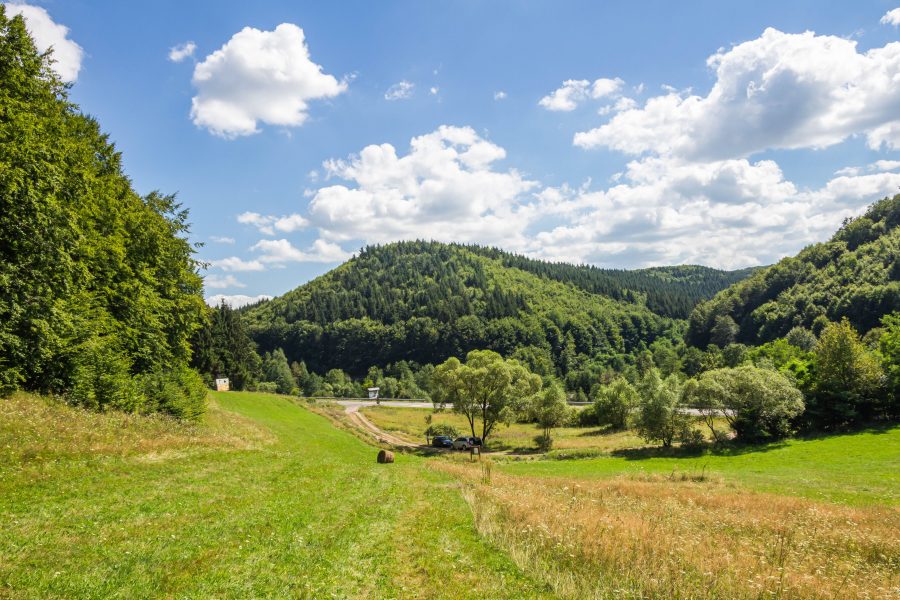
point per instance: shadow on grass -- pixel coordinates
(600, 431)
(732, 448)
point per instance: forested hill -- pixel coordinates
(667, 291)
(426, 301)
(855, 275)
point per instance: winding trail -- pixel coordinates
(351, 407)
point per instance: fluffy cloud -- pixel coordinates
(282, 251)
(501, 95)
(47, 33)
(445, 188)
(233, 263)
(182, 51)
(575, 91)
(259, 76)
(729, 214)
(268, 224)
(891, 17)
(222, 281)
(235, 301)
(777, 91)
(400, 91)
(219, 239)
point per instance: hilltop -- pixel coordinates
(425, 301)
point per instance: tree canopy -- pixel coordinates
(100, 290)
(487, 388)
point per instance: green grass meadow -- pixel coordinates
(855, 469)
(304, 512)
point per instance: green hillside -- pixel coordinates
(668, 291)
(855, 275)
(425, 301)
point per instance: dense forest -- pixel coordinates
(854, 275)
(99, 289)
(667, 291)
(426, 301)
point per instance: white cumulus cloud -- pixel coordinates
(445, 188)
(400, 91)
(259, 77)
(778, 91)
(222, 281)
(268, 224)
(891, 17)
(500, 95)
(575, 91)
(220, 239)
(49, 34)
(182, 51)
(282, 251)
(234, 263)
(728, 214)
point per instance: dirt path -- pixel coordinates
(359, 420)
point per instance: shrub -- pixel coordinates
(441, 429)
(613, 404)
(660, 417)
(544, 442)
(757, 403)
(101, 379)
(178, 392)
(269, 387)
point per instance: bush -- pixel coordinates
(178, 392)
(692, 438)
(101, 379)
(660, 416)
(757, 403)
(268, 387)
(441, 429)
(613, 404)
(544, 442)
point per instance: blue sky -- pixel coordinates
(619, 134)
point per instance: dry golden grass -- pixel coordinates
(36, 430)
(684, 538)
(410, 424)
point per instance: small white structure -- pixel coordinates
(222, 385)
(373, 393)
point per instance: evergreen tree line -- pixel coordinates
(99, 289)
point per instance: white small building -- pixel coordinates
(222, 384)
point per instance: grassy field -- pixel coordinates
(265, 499)
(517, 437)
(856, 469)
(622, 537)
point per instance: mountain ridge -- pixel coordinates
(425, 301)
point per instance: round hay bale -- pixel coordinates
(385, 456)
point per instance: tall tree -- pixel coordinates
(486, 388)
(848, 378)
(100, 290)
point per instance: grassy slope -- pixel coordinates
(302, 511)
(857, 469)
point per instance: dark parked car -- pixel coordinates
(441, 441)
